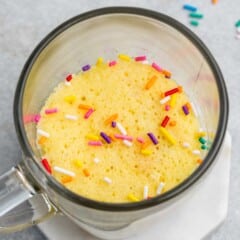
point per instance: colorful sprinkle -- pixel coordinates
(153, 138)
(141, 140)
(237, 24)
(95, 143)
(121, 128)
(71, 117)
(112, 63)
(42, 140)
(124, 57)
(86, 172)
(111, 119)
(151, 82)
(69, 78)
(146, 152)
(186, 144)
(167, 107)
(196, 15)
(66, 179)
(96, 160)
(185, 109)
(173, 123)
(107, 180)
(165, 100)
(92, 137)
(146, 144)
(190, 8)
(64, 171)
(173, 100)
(70, 99)
(214, 1)
(196, 152)
(84, 107)
(156, 67)
(168, 136)
(132, 198)
(204, 147)
(140, 58)
(199, 161)
(127, 143)
(166, 73)
(123, 137)
(51, 110)
(194, 23)
(202, 140)
(37, 118)
(99, 61)
(165, 121)
(172, 91)
(145, 192)
(105, 137)
(86, 68)
(78, 163)
(88, 113)
(43, 133)
(160, 188)
(46, 165)
(114, 124)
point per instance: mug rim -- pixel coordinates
(184, 185)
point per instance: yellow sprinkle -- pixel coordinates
(132, 197)
(99, 61)
(42, 140)
(124, 57)
(146, 152)
(173, 100)
(70, 99)
(78, 163)
(167, 135)
(92, 137)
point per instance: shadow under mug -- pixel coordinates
(28, 194)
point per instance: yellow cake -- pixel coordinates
(97, 132)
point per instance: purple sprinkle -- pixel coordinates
(105, 137)
(86, 67)
(185, 109)
(114, 124)
(153, 138)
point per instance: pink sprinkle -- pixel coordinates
(156, 67)
(51, 110)
(167, 107)
(141, 140)
(123, 137)
(37, 118)
(95, 143)
(69, 78)
(140, 58)
(28, 118)
(112, 63)
(88, 113)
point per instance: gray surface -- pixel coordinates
(24, 23)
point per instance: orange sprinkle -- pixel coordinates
(42, 140)
(166, 73)
(188, 105)
(112, 137)
(146, 144)
(66, 179)
(180, 89)
(150, 82)
(214, 1)
(199, 161)
(84, 107)
(86, 172)
(173, 123)
(111, 119)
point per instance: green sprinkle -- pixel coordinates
(196, 15)
(237, 24)
(194, 23)
(202, 140)
(204, 147)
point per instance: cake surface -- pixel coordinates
(118, 134)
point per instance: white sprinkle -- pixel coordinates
(64, 171)
(164, 100)
(107, 180)
(96, 160)
(43, 133)
(127, 143)
(160, 188)
(145, 192)
(238, 30)
(145, 62)
(196, 152)
(121, 128)
(194, 109)
(186, 144)
(67, 83)
(71, 117)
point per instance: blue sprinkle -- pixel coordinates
(189, 8)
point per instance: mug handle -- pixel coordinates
(20, 205)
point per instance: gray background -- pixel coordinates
(24, 23)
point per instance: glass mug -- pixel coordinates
(28, 193)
